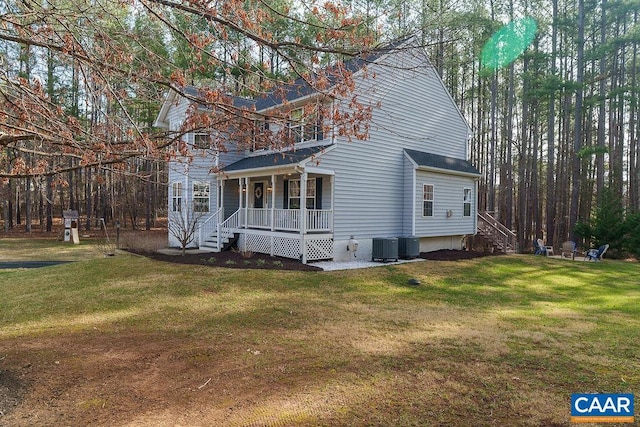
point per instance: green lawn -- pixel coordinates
(492, 341)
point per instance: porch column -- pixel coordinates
(221, 201)
(273, 202)
(303, 214)
(246, 203)
(273, 213)
(332, 191)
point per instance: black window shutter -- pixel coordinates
(319, 193)
(285, 202)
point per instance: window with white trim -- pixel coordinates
(201, 196)
(261, 135)
(427, 200)
(303, 125)
(311, 193)
(466, 202)
(176, 196)
(294, 194)
(201, 141)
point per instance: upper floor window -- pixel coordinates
(466, 202)
(176, 196)
(305, 125)
(201, 141)
(201, 196)
(427, 200)
(261, 136)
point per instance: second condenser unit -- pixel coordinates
(408, 247)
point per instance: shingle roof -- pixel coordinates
(301, 88)
(274, 159)
(441, 162)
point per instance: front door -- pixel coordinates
(258, 195)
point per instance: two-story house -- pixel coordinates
(410, 177)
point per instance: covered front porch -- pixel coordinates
(282, 210)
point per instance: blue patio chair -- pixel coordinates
(541, 249)
(596, 254)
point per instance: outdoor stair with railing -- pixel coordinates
(494, 232)
(215, 236)
(211, 243)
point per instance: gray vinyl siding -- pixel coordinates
(232, 155)
(231, 197)
(413, 111)
(448, 193)
(408, 198)
(368, 195)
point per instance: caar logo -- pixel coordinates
(602, 408)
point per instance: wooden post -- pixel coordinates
(303, 214)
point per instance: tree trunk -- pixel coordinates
(577, 142)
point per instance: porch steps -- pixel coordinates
(210, 244)
(495, 234)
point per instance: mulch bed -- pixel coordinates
(232, 259)
(454, 255)
(235, 259)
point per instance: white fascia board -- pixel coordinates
(449, 172)
(294, 103)
(408, 157)
(268, 170)
(161, 120)
(319, 171)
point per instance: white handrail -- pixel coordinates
(227, 228)
(207, 226)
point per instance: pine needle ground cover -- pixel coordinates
(127, 340)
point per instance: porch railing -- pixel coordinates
(319, 220)
(228, 227)
(286, 219)
(208, 226)
(289, 219)
(259, 218)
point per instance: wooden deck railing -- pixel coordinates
(495, 231)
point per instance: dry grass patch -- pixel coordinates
(130, 341)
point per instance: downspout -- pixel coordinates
(333, 201)
(413, 202)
